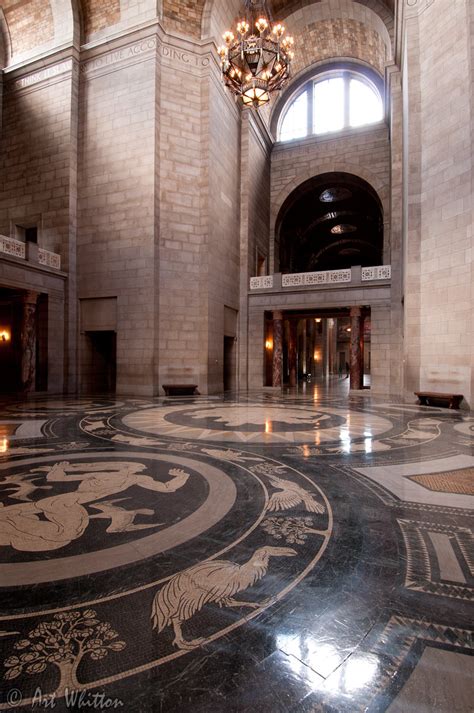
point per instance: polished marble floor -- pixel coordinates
(294, 552)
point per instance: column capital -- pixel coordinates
(356, 311)
(278, 314)
(30, 297)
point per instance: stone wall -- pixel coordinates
(38, 152)
(438, 289)
(116, 232)
(222, 249)
(363, 152)
(254, 230)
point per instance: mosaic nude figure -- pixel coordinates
(55, 521)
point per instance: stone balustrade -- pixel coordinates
(381, 272)
(261, 283)
(16, 248)
(46, 257)
(325, 278)
(12, 247)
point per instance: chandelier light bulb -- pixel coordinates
(242, 28)
(261, 24)
(222, 52)
(278, 31)
(228, 38)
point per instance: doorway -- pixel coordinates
(317, 347)
(99, 367)
(230, 363)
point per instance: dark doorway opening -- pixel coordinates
(100, 362)
(318, 347)
(230, 363)
(23, 341)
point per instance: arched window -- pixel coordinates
(332, 101)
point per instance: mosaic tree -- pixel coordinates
(63, 642)
(294, 530)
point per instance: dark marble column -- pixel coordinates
(310, 346)
(277, 379)
(292, 351)
(28, 341)
(357, 357)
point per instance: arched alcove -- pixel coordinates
(330, 222)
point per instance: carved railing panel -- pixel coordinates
(49, 259)
(9, 246)
(380, 272)
(261, 283)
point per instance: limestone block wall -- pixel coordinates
(38, 164)
(439, 286)
(363, 152)
(183, 211)
(101, 18)
(254, 227)
(223, 249)
(116, 235)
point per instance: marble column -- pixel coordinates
(292, 351)
(28, 341)
(357, 357)
(310, 346)
(277, 366)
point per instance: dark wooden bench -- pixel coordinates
(432, 398)
(180, 389)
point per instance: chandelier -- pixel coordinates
(256, 58)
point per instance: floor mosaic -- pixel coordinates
(293, 552)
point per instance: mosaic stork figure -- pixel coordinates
(215, 581)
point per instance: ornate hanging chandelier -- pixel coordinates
(256, 59)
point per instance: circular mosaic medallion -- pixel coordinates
(247, 423)
(218, 536)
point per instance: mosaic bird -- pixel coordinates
(216, 581)
(290, 496)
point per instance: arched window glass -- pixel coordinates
(365, 106)
(328, 109)
(332, 101)
(295, 123)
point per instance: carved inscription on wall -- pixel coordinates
(41, 76)
(119, 55)
(176, 55)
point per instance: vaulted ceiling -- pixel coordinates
(29, 26)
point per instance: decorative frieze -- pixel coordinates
(9, 246)
(381, 272)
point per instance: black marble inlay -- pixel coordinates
(233, 564)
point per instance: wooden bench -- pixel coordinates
(180, 389)
(431, 398)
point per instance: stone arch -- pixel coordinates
(217, 16)
(56, 23)
(5, 41)
(336, 29)
(378, 185)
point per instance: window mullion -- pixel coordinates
(346, 99)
